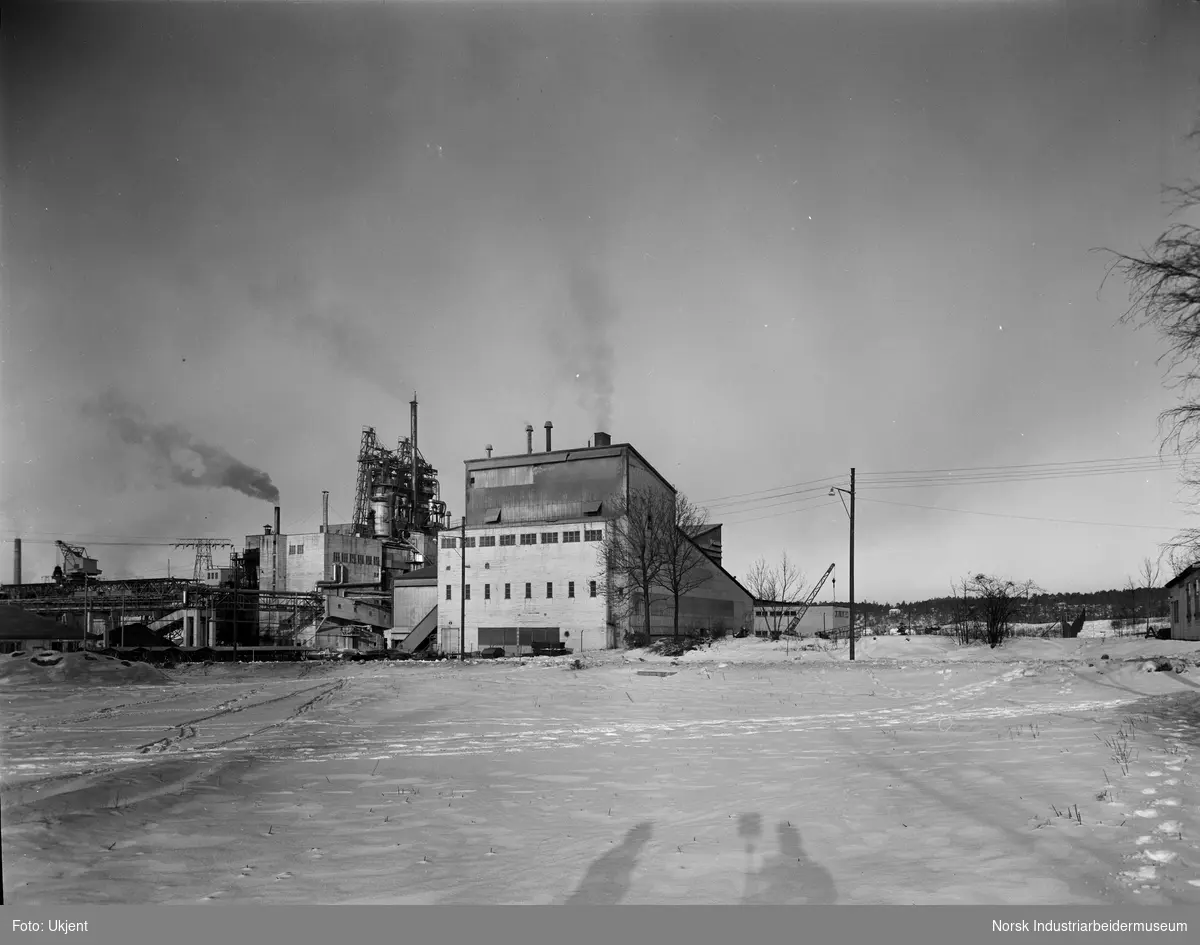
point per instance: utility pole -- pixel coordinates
(462, 596)
(852, 563)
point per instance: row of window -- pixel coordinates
(527, 538)
(345, 557)
(487, 590)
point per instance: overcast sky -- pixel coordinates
(764, 244)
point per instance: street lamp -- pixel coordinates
(850, 511)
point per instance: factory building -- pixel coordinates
(534, 526)
(398, 513)
(818, 618)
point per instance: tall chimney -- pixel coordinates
(489, 450)
(529, 438)
(16, 560)
(325, 512)
(275, 564)
(278, 530)
(603, 439)
(549, 427)
(416, 480)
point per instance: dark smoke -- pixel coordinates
(595, 313)
(184, 459)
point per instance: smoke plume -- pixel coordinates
(181, 457)
(595, 313)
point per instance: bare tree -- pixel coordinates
(631, 553)
(783, 585)
(684, 566)
(1148, 576)
(1164, 291)
(995, 602)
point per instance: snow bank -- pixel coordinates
(48, 667)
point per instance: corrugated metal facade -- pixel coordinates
(553, 489)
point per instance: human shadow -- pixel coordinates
(789, 876)
(607, 880)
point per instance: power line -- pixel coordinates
(1029, 518)
(1077, 462)
(807, 508)
(753, 503)
(721, 498)
(981, 475)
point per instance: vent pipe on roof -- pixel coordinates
(529, 438)
(603, 439)
(489, 450)
(549, 427)
(266, 529)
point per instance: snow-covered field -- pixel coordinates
(924, 772)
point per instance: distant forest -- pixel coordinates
(1143, 603)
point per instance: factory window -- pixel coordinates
(570, 536)
(449, 543)
(487, 541)
(376, 561)
(469, 542)
(549, 589)
(291, 549)
(593, 534)
(528, 590)
(529, 538)
(508, 592)
(466, 592)
(591, 588)
(570, 588)
(449, 591)
(549, 538)
(299, 549)
(337, 558)
(487, 592)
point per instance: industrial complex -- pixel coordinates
(519, 572)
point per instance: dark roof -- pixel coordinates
(715, 564)
(561, 456)
(420, 574)
(136, 634)
(19, 624)
(1183, 575)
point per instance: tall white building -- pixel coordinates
(534, 525)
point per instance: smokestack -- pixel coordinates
(16, 560)
(489, 450)
(529, 438)
(278, 530)
(603, 439)
(549, 427)
(325, 512)
(416, 481)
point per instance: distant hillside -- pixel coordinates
(1041, 608)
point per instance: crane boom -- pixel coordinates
(812, 595)
(76, 564)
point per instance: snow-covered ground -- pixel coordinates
(751, 771)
